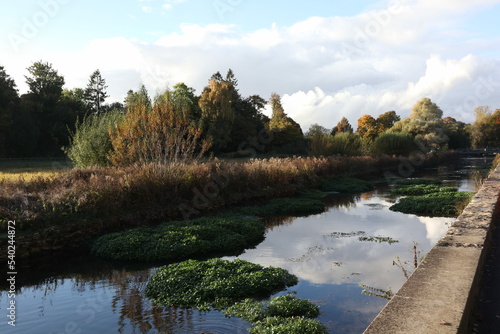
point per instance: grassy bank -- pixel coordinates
(142, 195)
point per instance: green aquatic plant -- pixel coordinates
(440, 204)
(280, 325)
(175, 241)
(412, 182)
(389, 240)
(347, 185)
(215, 283)
(284, 207)
(282, 314)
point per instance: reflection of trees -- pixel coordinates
(338, 201)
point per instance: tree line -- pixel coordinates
(50, 121)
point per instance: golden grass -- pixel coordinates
(28, 176)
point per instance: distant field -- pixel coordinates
(14, 169)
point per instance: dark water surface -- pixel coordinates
(331, 253)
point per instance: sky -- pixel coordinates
(327, 59)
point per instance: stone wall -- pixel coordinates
(440, 295)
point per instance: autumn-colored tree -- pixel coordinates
(386, 121)
(217, 112)
(367, 128)
(285, 129)
(342, 126)
(161, 132)
(485, 131)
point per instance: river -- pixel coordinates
(356, 241)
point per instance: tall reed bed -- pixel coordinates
(152, 193)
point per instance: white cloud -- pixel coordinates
(324, 67)
(147, 9)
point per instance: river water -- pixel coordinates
(356, 241)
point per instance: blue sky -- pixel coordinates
(328, 59)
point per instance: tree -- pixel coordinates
(161, 132)
(425, 124)
(9, 104)
(217, 112)
(285, 129)
(367, 128)
(485, 131)
(95, 93)
(386, 121)
(342, 126)
(45, 83)
(457, 132)
(316, 129)
(41, 103)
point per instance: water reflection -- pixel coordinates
(87, 295)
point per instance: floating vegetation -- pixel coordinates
(441, 204)
(375, 206)
(389, 240)
(377, 292)
(336, 235)
(296, 207)
(421, 189)
(175, 241)
(412, 182)
(215, 283)
(283, 315)
(347, 185)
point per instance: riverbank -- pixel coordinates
(68, 210)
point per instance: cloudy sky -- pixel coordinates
(328, 59)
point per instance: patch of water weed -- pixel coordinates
(312, 193)
(336, 235)
(174, 241)
(347, 185)
(296, 207)
(441, 204)
(389, 240)
(282, 314)
(215, 283)
(412, 182)
(421, 189)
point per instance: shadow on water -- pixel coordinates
(355, 241)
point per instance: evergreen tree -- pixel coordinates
(285, 129)
(342, 126)
(95, 93)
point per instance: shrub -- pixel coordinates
(215, 283)
(90, 145)
(345, 144)
(440, 204)
(176, 241)
(394, 143)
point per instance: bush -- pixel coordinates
(90, 145)
(394, 143)
(215, 283)
(176, 241)
(440, 204)
(345, 144)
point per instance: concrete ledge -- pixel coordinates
(440, 294)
